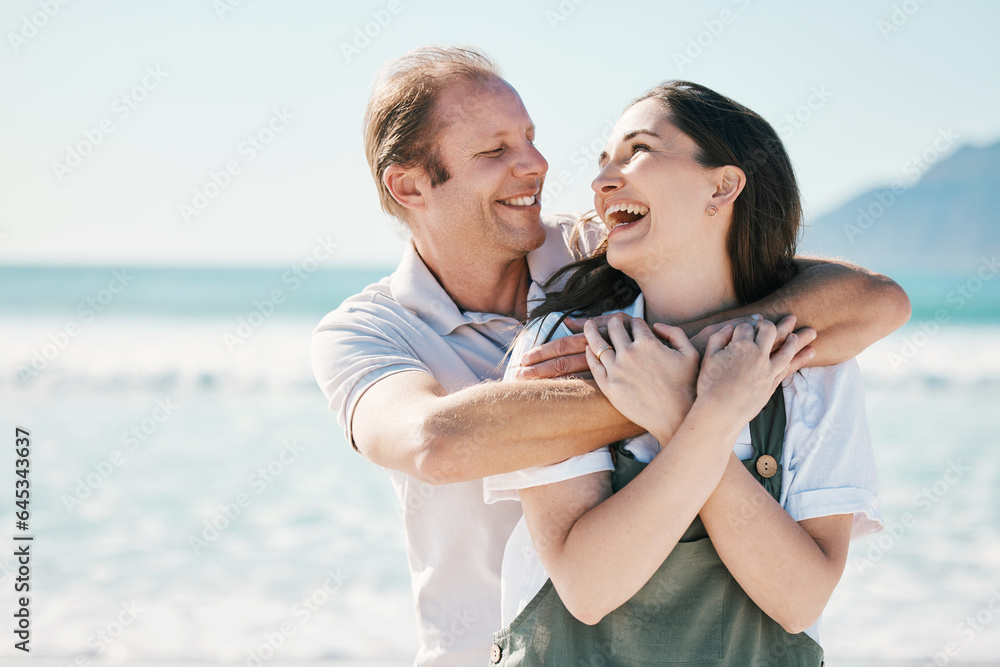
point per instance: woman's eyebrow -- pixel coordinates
(634, 133)
(631, 135)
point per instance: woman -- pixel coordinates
(702, 552)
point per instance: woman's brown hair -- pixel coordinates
(766, 215)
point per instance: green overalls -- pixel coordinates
(690, 612)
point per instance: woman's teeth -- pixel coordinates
(627, 213)
(519, 201)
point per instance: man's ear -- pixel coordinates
(404, 184)
(729, 183)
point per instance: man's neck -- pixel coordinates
(499, 287)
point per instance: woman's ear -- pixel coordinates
(405, 187)
(729, 183)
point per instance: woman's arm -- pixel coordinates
(788, 568)
(829, 474)
(578, 527)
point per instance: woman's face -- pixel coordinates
(653, 195)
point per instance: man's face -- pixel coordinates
(491, 204)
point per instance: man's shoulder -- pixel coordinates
(566, 240)
(374, 301)
(580, 233)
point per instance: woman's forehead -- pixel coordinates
(647, 117)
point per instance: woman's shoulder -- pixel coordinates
(816, 391)
(826, 376)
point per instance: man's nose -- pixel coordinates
(531, 164)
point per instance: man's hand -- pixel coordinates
(564, 356)
(700, 340)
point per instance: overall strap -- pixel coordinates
(767, 435)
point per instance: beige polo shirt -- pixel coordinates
(455, 542)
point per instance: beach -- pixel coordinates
(195, 504)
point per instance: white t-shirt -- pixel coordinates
(827, 463)
(454, 541)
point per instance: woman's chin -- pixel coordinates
(621, 259)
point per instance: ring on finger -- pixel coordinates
(602, 351)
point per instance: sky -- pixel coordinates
(228, 132)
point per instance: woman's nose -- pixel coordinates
(608, 180)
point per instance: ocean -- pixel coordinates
(193, 498)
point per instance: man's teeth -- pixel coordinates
(519, 201)
(637, 209)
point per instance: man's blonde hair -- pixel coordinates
(400, 125)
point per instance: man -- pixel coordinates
(403, 363)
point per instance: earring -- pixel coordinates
(712, 211)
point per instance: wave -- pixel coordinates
(222, 355)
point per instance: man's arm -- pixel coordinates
(408, 422)
(849, 307)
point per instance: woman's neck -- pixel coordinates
(678, 295)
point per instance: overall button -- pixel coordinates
(496, 653)
(767, 466)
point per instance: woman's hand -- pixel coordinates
(738, 373)
(649, 381)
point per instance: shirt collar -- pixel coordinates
(414, 286)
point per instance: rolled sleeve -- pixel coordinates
(831, 469)
(351, 351)
(507, 485)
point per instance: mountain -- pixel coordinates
(945, 223)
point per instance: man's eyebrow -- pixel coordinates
(501, 133)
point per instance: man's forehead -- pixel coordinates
(464, 99)
(474, 110)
